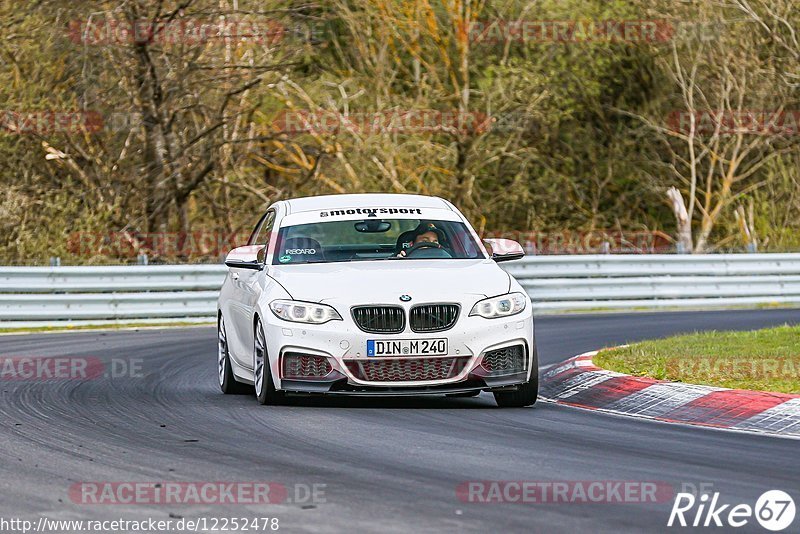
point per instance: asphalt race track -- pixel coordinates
(389, 465)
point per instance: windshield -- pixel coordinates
(374, 239)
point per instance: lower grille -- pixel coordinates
(407, 369)
(505, 361)
(305, 366)
(380, 319)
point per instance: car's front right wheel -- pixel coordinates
(265, 387)
(524, 395)
(227, 382)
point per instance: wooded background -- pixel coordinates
(139, 118)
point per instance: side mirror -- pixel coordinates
(246, 257)
(504, 249)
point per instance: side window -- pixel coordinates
(257, 229)
(261, 234)
(264, 234)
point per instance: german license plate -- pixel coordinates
(407, 347)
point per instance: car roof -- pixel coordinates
(381, 200)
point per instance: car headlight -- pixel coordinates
(501, 306)
(304, 312)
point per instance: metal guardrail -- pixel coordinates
(45, 296)
(558, 283)
(48, 296)
(122, 279)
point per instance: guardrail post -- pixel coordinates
(141, 259)
(55, 262)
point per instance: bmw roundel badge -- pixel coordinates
(405, 298)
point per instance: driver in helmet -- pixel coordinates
(425, 232)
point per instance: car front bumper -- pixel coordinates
(342, 343)
(340, 386)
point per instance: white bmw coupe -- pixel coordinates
(374, 294)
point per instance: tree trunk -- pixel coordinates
(684, 241)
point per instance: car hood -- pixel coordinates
(375, 282)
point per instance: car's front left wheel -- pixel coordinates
(227, 382)
(265, 387)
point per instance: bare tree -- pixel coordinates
(722, 131)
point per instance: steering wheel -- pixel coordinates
(426, 245)
(421, 245)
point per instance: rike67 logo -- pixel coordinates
(774, 510)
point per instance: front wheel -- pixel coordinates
(525, 395)
(265, 387)
(227, 382)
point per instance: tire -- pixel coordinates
(227, 382)
(526, 394)
(262, 375)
